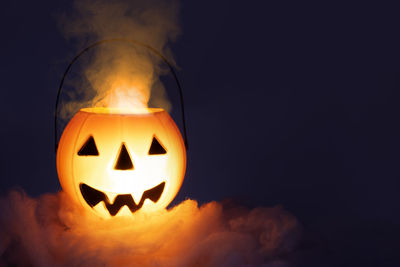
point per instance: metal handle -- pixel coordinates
(123, 40)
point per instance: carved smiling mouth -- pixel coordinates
(93, 197)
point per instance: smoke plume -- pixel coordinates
(119, 74)
(52, 231)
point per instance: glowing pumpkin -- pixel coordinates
(115, 161)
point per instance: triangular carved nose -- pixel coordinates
(124, 161)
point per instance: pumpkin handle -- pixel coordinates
(156, 52)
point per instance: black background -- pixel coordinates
(288, 104)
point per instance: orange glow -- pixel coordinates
(122, 111)
(125, 95)
(121, 136)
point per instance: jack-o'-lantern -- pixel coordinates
(116, 161)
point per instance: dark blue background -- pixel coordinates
(289, 104)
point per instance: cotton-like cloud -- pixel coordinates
(52, 231)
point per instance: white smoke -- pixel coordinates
(119, 74)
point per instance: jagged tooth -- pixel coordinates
(137, 197)
(101, 208)
(111, 196)
(124, 211)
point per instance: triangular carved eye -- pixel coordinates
(156, 148)
(89, 148)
